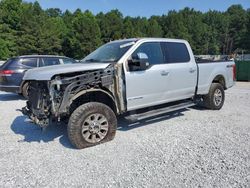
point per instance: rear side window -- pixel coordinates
(48, 61)
(30, 62)
(152, 50)
(175, 52)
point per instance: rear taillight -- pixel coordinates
(234, 72)
(6, 72)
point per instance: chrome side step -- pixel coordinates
(160, 111)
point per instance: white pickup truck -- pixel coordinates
(136, 78)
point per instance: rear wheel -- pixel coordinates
(215, 98)
(91, 124)
(25, 88)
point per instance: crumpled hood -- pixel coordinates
(46, 73)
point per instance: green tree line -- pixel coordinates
(25, 28)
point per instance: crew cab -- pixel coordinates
(136, 78)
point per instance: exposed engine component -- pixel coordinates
(51, 100)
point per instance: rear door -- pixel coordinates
(182, 71)
(49, 61)
(25, 64)
(17, 67)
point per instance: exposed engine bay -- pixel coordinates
(50, 100)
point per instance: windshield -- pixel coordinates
(110, 52)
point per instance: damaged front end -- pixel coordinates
(39, 104)
(51, 100)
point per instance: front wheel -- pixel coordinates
(91, 124)
(215, 98)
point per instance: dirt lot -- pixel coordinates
(193, 147)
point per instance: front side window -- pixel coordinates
(48, 61)
(152, 50)
(110, 52)
(175, 52)
(68, 61)
(30, 62)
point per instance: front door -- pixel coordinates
(147, 88)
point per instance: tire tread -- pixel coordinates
(74, 126)
(208, 99)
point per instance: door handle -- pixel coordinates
(191, 70)
(164, 73)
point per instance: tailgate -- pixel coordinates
(231, 73)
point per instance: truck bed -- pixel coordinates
(208, 70)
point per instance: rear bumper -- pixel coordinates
(13, 89)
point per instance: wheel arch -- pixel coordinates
(21, 85)
(220, 79)
(93, 95)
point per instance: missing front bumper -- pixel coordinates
(42, 122)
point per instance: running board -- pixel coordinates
(156, 112)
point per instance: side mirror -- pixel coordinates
(139, 62)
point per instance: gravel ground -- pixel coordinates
(194, 147)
